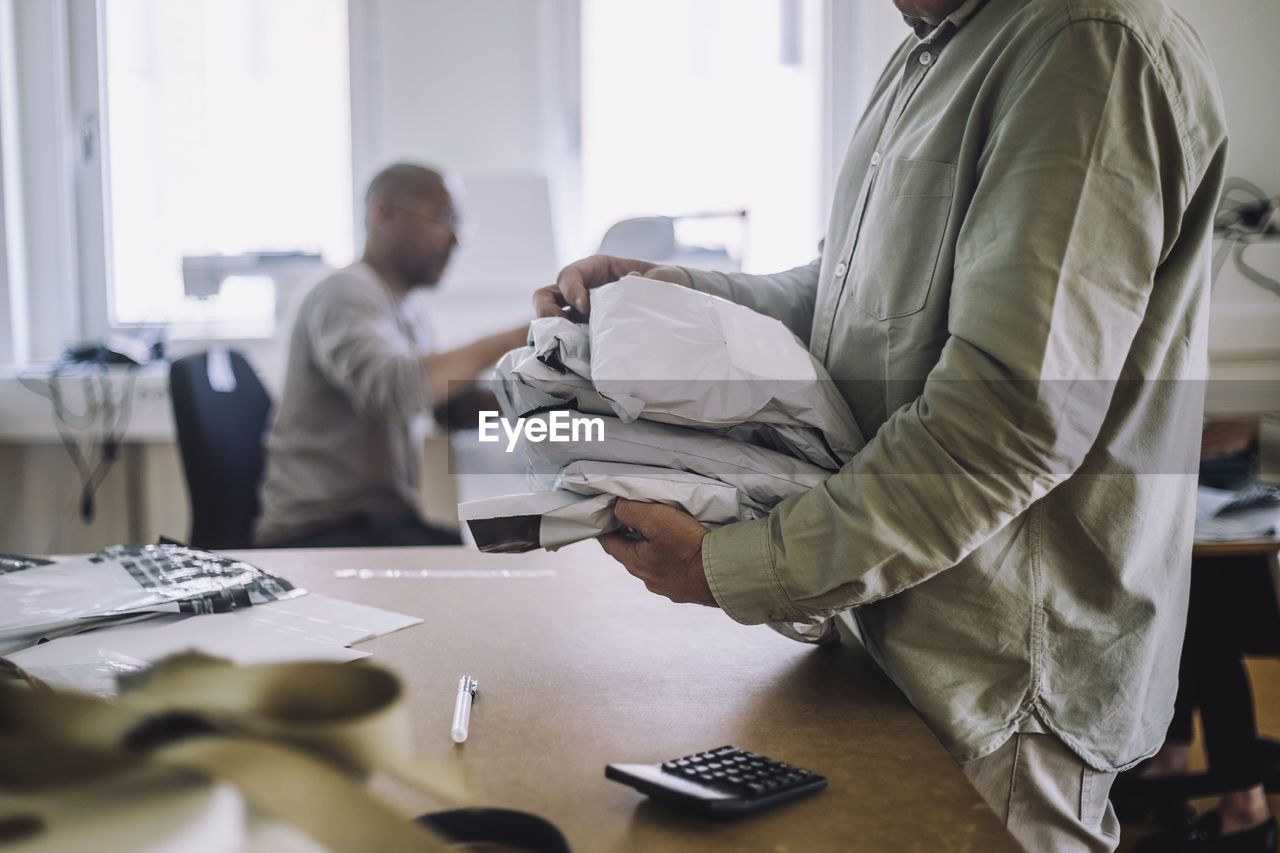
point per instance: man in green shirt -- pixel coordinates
(1012, 296)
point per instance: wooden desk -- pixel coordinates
(1235, 547)
(586, 667)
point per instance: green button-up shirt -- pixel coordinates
(1012, 296)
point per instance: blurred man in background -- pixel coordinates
(343, 451)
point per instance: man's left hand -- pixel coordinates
(669, 557)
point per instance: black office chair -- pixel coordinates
(220, 415)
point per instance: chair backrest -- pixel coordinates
(649, 238)
(220, 426)
(713, 240)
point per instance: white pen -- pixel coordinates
(462, 707)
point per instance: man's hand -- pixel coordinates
(669, 557)
(452, 372)
(568, 296)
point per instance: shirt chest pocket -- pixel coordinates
(900, 240)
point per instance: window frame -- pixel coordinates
(87, 30)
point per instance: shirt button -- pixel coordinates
(840, 269)
(926, 58)
(875, 158)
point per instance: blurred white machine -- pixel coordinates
(288, 272)
(714, 240)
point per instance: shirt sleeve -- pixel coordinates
(359, 347)
(1081, 184)
(788, 296)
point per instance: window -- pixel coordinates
(227, 131)
(707, 107)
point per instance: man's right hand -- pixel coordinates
(568, 297)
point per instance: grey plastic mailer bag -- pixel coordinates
(705, 404)
(667, 353)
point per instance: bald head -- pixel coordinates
(403, 180)
(410, 223)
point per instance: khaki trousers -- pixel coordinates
(1046, 796)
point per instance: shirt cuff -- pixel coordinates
(710, 281)
(738, 562)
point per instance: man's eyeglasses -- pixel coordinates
(440, 214)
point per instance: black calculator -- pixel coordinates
(724, 781)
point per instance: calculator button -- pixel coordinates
(747, 779)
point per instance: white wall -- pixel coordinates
(479, 88)
(458, 83)
(1241, 37)
(475, 87)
